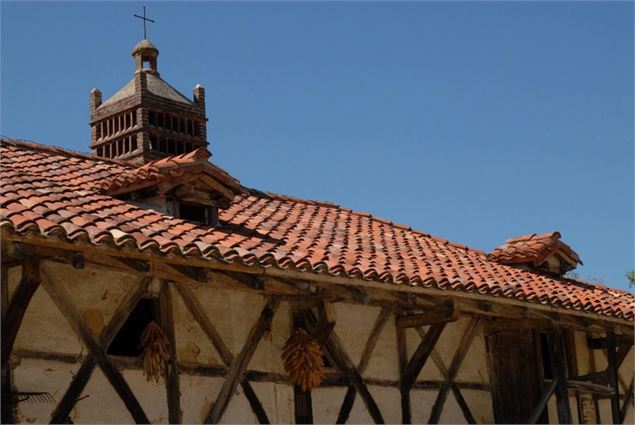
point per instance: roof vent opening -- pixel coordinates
(543, 252)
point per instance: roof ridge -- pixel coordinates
(29, 144)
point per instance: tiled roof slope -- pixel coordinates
(49, 192)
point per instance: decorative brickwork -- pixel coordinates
(147, 119)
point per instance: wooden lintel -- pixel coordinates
(429, 317)
(198, 274)
(599, 377)
(602, 343)
(136, 265)
(249, 280)
(590, 387)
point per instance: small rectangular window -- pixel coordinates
(191, 212)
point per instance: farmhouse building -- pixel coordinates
(141, 283)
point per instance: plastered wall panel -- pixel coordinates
(480, 404)
(101, 403)
(384, 360)
(325, 409)
(267, 355)
(152, 395)
(389, 402)
(32, 375)
(44, 328)
(353, 326)
(474, 366)
(277, 400)
(197, 395)
(238, 411)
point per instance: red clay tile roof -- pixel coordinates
(533, 249)
(49, 192)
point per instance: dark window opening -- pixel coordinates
(545, 356)
(152, 118)
(197, 213)
(128, 340)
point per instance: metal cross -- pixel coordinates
(144, 21)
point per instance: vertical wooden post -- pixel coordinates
(572, 368)
(8, 412)
(560, 373)
(17, 306)
(302, 401)
(402, 352)
(172, 385)
(613, 378)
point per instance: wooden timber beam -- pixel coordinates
(441, 313)
(62, 300)
(198, 274)
(402, 353)
(457, 360)
(344, 363)
(371, 342)
(535, 415)
(134, 264)
(250, 281)
(560, 375)
(412, 368)
(18, 304)
(613, 376)
(239, 365)
(326, 321)
(465, 302)
(456, 390)
(77, 385)
(7, 415)
(602, 343)
(172, 382)
(197, 311)
(628, 400)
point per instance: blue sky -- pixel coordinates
(473, 121)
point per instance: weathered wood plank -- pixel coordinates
(543, 402)
(8, 412)
(250, 281)
(18, 305)
(457, 360)
(238, 366)
(77, 385)
(172, 383)
(62, 300)
(349, 398)
(404, 394)
(196, 309)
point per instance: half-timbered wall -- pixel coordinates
(47, 354)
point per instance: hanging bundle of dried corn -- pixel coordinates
(302, 357)
(156, 351)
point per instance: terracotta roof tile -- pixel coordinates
(46, 191)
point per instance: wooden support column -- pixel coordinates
(238, 366)
(77, 385)
(349, 398)
(559, 372)
(302, 400)
(17, 306)
(572, 368)
(172, 384)
(197, 311)
(8, 411)
(459, 355)
(535, 415)
(402, 352)
(62, 300)
(611, 355)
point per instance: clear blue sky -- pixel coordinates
(471, 121)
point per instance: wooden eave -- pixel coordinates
(309, 285)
